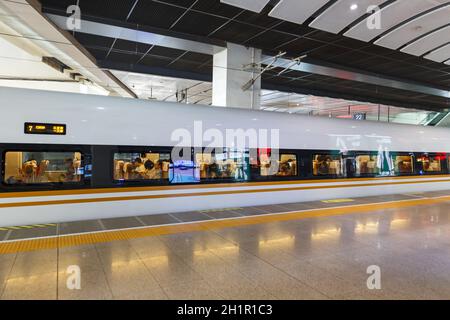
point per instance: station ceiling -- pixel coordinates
(200, 92)
(215, 22)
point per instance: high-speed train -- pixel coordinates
(69, 157)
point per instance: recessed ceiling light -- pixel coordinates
(354, 6)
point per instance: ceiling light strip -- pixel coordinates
(379, 39)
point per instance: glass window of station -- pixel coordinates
(151, 166)
(29, 167)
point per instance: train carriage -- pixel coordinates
(68, 157)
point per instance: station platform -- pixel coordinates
(309, 250)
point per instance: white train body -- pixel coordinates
(110, 121)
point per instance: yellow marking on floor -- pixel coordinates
(126, 234)
(217, 210)
(337, 200)
(33, 226)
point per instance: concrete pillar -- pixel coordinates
(229, 77)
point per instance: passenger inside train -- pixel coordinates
(366, 164)
(286, 165)
(144, 166)
(42, 167)
(33, 167)
(221, 165)
(327, 164)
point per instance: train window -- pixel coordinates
(327, 165)
(431, 163)
(228, 164)
(141, 166)
(367, 165)
(183, 171)
(287, 164)
(403, 164)
(29, 167)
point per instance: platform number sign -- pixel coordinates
(45, 128)
(359, 116)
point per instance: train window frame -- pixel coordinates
(212, 151)
(419, 164)
(394, 155)
(369, 174)
(84, 180)
(255, 167)
(304, 166)
(315, 153)
(447, 163)
(138, 150)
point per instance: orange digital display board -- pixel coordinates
(45, 128)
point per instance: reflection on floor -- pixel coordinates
(313, 258)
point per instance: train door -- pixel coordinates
(350, 166)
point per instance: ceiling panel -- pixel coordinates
(151, 60)
(440, 55)
(260, 20)
(429, 42)
(94, 40)
(301, 46)
(416, 28)
(237, 32)
(271, 39)
(217, 8)
(390, 16)
(341, 14)
(130, 46)
(182, 3)
(252, 5)
(122, 56)
(197, 57)
(121, 7)
(191, 20)
(160, 14)
(296, 11)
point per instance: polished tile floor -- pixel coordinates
(313, 258)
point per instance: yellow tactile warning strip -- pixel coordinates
(33, 226)
(115, 235)
(217, 210)
(207, 193)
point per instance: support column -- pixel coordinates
(229, 77)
